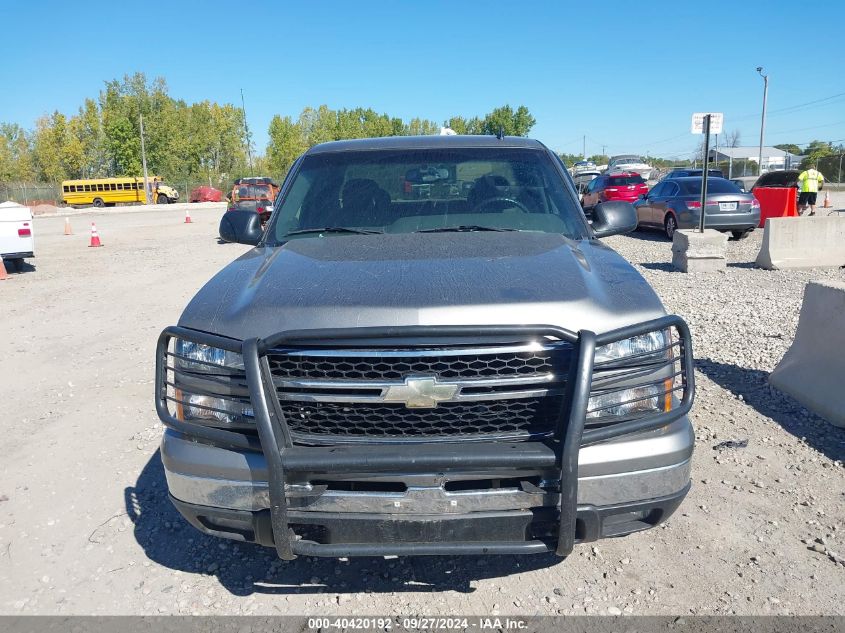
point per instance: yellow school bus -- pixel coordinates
(106, 192)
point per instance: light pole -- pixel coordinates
(144, 163)
(246, 131)
(763, 119)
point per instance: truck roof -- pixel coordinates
(425, 142)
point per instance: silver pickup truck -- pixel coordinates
(467, 372)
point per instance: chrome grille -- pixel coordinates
(510, 392)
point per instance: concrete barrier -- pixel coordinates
(813, 369)
(806, 242)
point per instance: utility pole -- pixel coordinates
(246, 131)
(704, 172)
(763, 119)
(585, 147)
(717, 152)
(144, 163)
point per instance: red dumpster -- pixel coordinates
(776, 202)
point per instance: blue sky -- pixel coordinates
(626, 75)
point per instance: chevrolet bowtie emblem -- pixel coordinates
(422, 392)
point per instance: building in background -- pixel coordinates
(742, 161)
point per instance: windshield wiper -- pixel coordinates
(463, 228)
(335, 229)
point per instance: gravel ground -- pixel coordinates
(85, 527)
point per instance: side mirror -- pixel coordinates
(614, 218)
(241, 227)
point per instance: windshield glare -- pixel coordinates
(405, 191)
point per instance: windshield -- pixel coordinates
(406, 191)
(252, 192)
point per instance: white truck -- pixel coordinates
(17, 235)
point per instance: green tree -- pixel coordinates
(789, 147)
(466, 126)
(815, 151)
(50, 148)
(16, 160)
(287, 142)
(508, 121)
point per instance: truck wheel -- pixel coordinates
(670, 224)
(162, 199)
(98, 202)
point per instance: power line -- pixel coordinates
(813, 127)
(791, 109)
(808, 103)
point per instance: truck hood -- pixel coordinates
(474, 278)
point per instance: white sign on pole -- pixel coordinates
(716, 120)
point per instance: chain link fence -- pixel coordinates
(30, 193)
(33, 194)
(832, 168)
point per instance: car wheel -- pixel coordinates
(162, 199)
(670, 225)
(98, 202)
(740, 235)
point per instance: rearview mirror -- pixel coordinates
(241, 227)
(614, 217)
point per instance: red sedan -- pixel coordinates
(206, 194)
(626, 186)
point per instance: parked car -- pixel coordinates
(629, 163)
(675, 203)
(254, 194)
(583, 178)
(583, 166)
(17, 233)
(692, 171)
(362, 382)
(625, 186)
(206, 194)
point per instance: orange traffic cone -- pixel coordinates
(3, 274)
(68, 229)
(826, 204)
(95, 238)
(188, 216)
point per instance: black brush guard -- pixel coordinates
(274, 438)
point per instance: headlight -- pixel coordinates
(206, 357)
(199, 407)
(627, 402)
(643, 344)
(647, 359)
(210, 384)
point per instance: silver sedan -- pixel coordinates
(675, 203)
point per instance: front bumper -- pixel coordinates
(368, 534)
(624, 486)
(532, 488)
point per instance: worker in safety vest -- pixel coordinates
(809, 183)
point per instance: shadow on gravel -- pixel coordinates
(748, 265)
(754, 387)
(649, 236)
(666, 268)
(243, 568)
